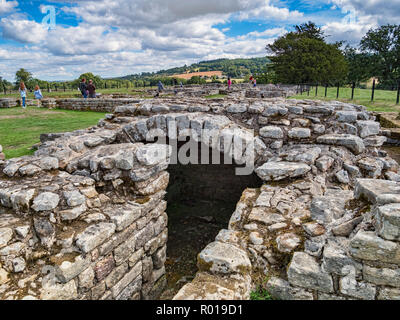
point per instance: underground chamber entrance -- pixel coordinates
(201, 200)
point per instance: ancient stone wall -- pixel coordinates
(98, 105)
(89, 206)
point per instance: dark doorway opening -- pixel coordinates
(201, 200)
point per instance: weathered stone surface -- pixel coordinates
(280, 289)
(104, 267)
(388, 221)
(223, 258)
(305, 272)
(347, 116)
(127, 279)
(94, 235)
(382, 277)
(151, 155)
(324, 163)
(327, 208)
(55, 291)
(372, 189)
(360, 290)
(368, 246)
(299, 133)
(6, 235)
(45, 201)
(345, 229)
(336, 261)
(123, 217)
(68, 270)
(271, 132)
(74, 198)
(265, 216)
(275, 171)
(288, 242)
(353, 143)
(368, 128)
(389, 294)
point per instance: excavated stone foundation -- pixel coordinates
(86, 217)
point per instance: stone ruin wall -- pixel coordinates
(85, 217)
(107, 103)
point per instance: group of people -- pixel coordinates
(253, 82)
(24, 93)
(87, 89)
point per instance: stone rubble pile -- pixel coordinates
(89, 206)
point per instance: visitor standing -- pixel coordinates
(229, 83)
(23, 93)
(92, 89)
(160, 87)
(38, 95)
(83, 88)
(255, 82)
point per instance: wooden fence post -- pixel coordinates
(48, 88)
(338, 91)
(398, 94)
(316, 90)
(326, 90)
(373, 91)
(352, 90)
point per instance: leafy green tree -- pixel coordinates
(22, 75)
(360, 65)
(97, 81)
(303, 56)
(384, 44)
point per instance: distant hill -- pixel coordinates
(235, 68)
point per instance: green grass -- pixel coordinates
(216, 96)
(260, 294)
(75, 93)
(20, 129)
(385, 100)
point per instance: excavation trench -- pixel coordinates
(201, 200)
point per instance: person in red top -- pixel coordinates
(229, 83)
(92, 89)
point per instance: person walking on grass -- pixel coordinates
(229, 83)
(38, 95)
(92, 89)
(83, 88)
(23, 93)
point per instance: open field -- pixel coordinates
(75, 93)
(20, 129)
(385, 101)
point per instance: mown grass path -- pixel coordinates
(20, 129)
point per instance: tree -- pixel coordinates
(303, 56)
(360, 65)
(22, 75)
(384, 44)
(97, 81)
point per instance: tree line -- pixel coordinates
(304, 56)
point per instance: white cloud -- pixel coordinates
(118, 37)
(18, 28)
(7, 6)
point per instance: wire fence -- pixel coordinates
(343, 92)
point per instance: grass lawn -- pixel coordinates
(216, 96)
(20, 129)
(75, 93)
(385, 101)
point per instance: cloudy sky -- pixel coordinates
(119, 37)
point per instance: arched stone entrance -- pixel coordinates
(85, 218)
